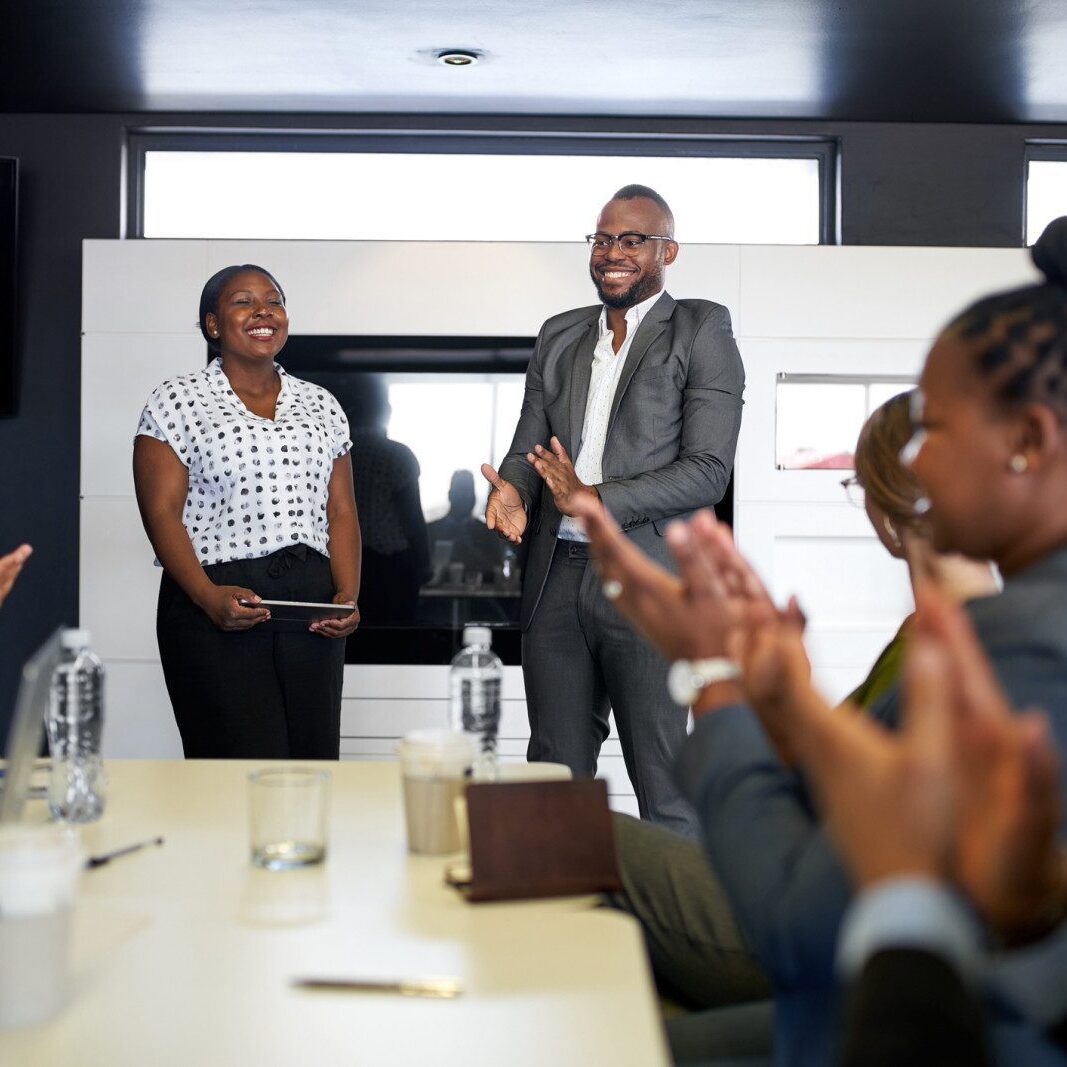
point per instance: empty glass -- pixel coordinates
(288, 808)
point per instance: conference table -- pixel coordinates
(185, 953)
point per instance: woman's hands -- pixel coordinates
(338, 627)
(220, 604)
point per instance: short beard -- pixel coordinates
(642, 289)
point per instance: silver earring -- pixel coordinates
(1018, 463)
(890, 529)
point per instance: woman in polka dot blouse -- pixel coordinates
(244, 482)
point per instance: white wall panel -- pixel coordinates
(119, 370)
(139, 722)
(119, 584)
(142, 286)
(385, 717)
(415, 681)
(856, 291)
(461, 288)
(842, 581)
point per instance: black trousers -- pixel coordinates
(272, 692)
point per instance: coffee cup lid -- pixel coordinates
(437, 751)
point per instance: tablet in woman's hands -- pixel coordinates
(299, 610)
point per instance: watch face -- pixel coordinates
(682, 682)
(686, 678)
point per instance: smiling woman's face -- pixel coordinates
(250, 321)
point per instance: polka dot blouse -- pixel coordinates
(255, 484)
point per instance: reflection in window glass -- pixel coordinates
(817, 422)
(1046, 195)
(487, 411)
(381, 196)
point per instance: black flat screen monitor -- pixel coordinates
(425, 413)
(8, 276)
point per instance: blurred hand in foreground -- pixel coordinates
(10, 566)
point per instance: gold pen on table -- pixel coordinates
(435, 988)
(107, 857)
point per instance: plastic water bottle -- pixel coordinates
(75, 724)
(474, 696)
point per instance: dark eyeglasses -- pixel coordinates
(853, 490)
(629, 242)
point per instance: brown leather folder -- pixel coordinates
(540, 839)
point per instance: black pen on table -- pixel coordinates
(107, 857)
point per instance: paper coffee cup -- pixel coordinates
(435, 765)
(39, 868)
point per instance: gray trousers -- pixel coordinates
(580, 658)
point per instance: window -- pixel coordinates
(818, 417)
(1046, 187)
(472, 188)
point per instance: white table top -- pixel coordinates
(183, 954)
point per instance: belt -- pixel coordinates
(282, 560)
(573, 549)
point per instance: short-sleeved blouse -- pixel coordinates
(255, 484)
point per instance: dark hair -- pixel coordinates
(886, 481)
(633, 192)
(1022, 333)
(209, 296)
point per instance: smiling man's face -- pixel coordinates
(623, 279)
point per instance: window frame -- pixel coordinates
(1039, 150)
(824, 150)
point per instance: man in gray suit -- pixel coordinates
(645, 392)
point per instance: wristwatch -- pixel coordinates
(687, 677)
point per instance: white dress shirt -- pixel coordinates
(914, 912)
(603, 382)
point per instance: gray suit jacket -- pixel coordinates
(671, 433)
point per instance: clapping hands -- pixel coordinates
(716, 606)
(967, 791)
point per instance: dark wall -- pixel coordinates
(69, 189)
(899, 185)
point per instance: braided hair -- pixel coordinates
(1021, 334)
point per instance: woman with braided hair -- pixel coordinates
(989, 451)
(990, 447)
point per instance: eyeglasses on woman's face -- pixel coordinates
(854, 491)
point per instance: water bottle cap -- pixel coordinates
(477, 635)
(77, 638)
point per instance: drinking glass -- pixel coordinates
(288, 808)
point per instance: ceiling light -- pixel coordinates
(458, 57)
